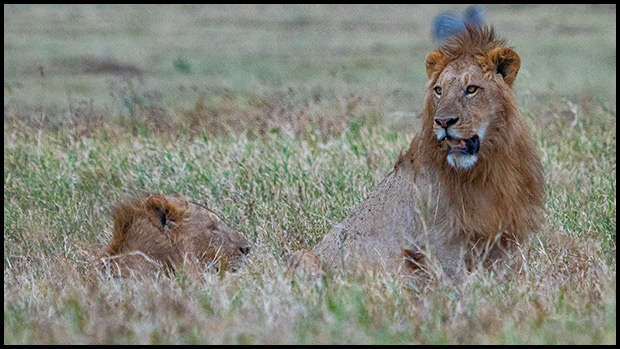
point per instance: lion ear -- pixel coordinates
(434, 62)
(165, 210)
(506, 62)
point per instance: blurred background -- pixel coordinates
(125, 59)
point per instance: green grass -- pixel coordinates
(282, 118)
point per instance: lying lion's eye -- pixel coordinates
(471, 89)
(437, 90)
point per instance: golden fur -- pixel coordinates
(155, 234)
(471, 182)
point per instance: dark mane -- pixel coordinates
(474, 40)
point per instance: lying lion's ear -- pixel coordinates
(506, 62)
(165, 210)
(434, 62)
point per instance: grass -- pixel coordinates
(282, 118)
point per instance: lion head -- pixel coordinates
(161, 233)
(470, 81)
(475, 141)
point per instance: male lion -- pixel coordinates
(470, 184)
(155, 234)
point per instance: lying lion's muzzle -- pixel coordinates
(469, 146)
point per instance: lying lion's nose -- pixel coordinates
(446, 121)
(244, 249)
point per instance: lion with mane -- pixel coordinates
(470, 184)
(156, 234)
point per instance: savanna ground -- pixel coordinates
(282, 118)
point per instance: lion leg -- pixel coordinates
(414, 261)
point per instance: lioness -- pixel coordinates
(471, 182)
(155, 234)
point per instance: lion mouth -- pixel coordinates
(469, 146)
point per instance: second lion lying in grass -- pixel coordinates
(156, 234)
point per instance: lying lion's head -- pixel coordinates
(171, 231)
(204, 236)
(471, 79)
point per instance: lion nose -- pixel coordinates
(446, 121)
(244, 249)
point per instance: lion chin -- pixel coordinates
(462, 161)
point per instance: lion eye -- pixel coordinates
(471, 89)
(437, 90)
